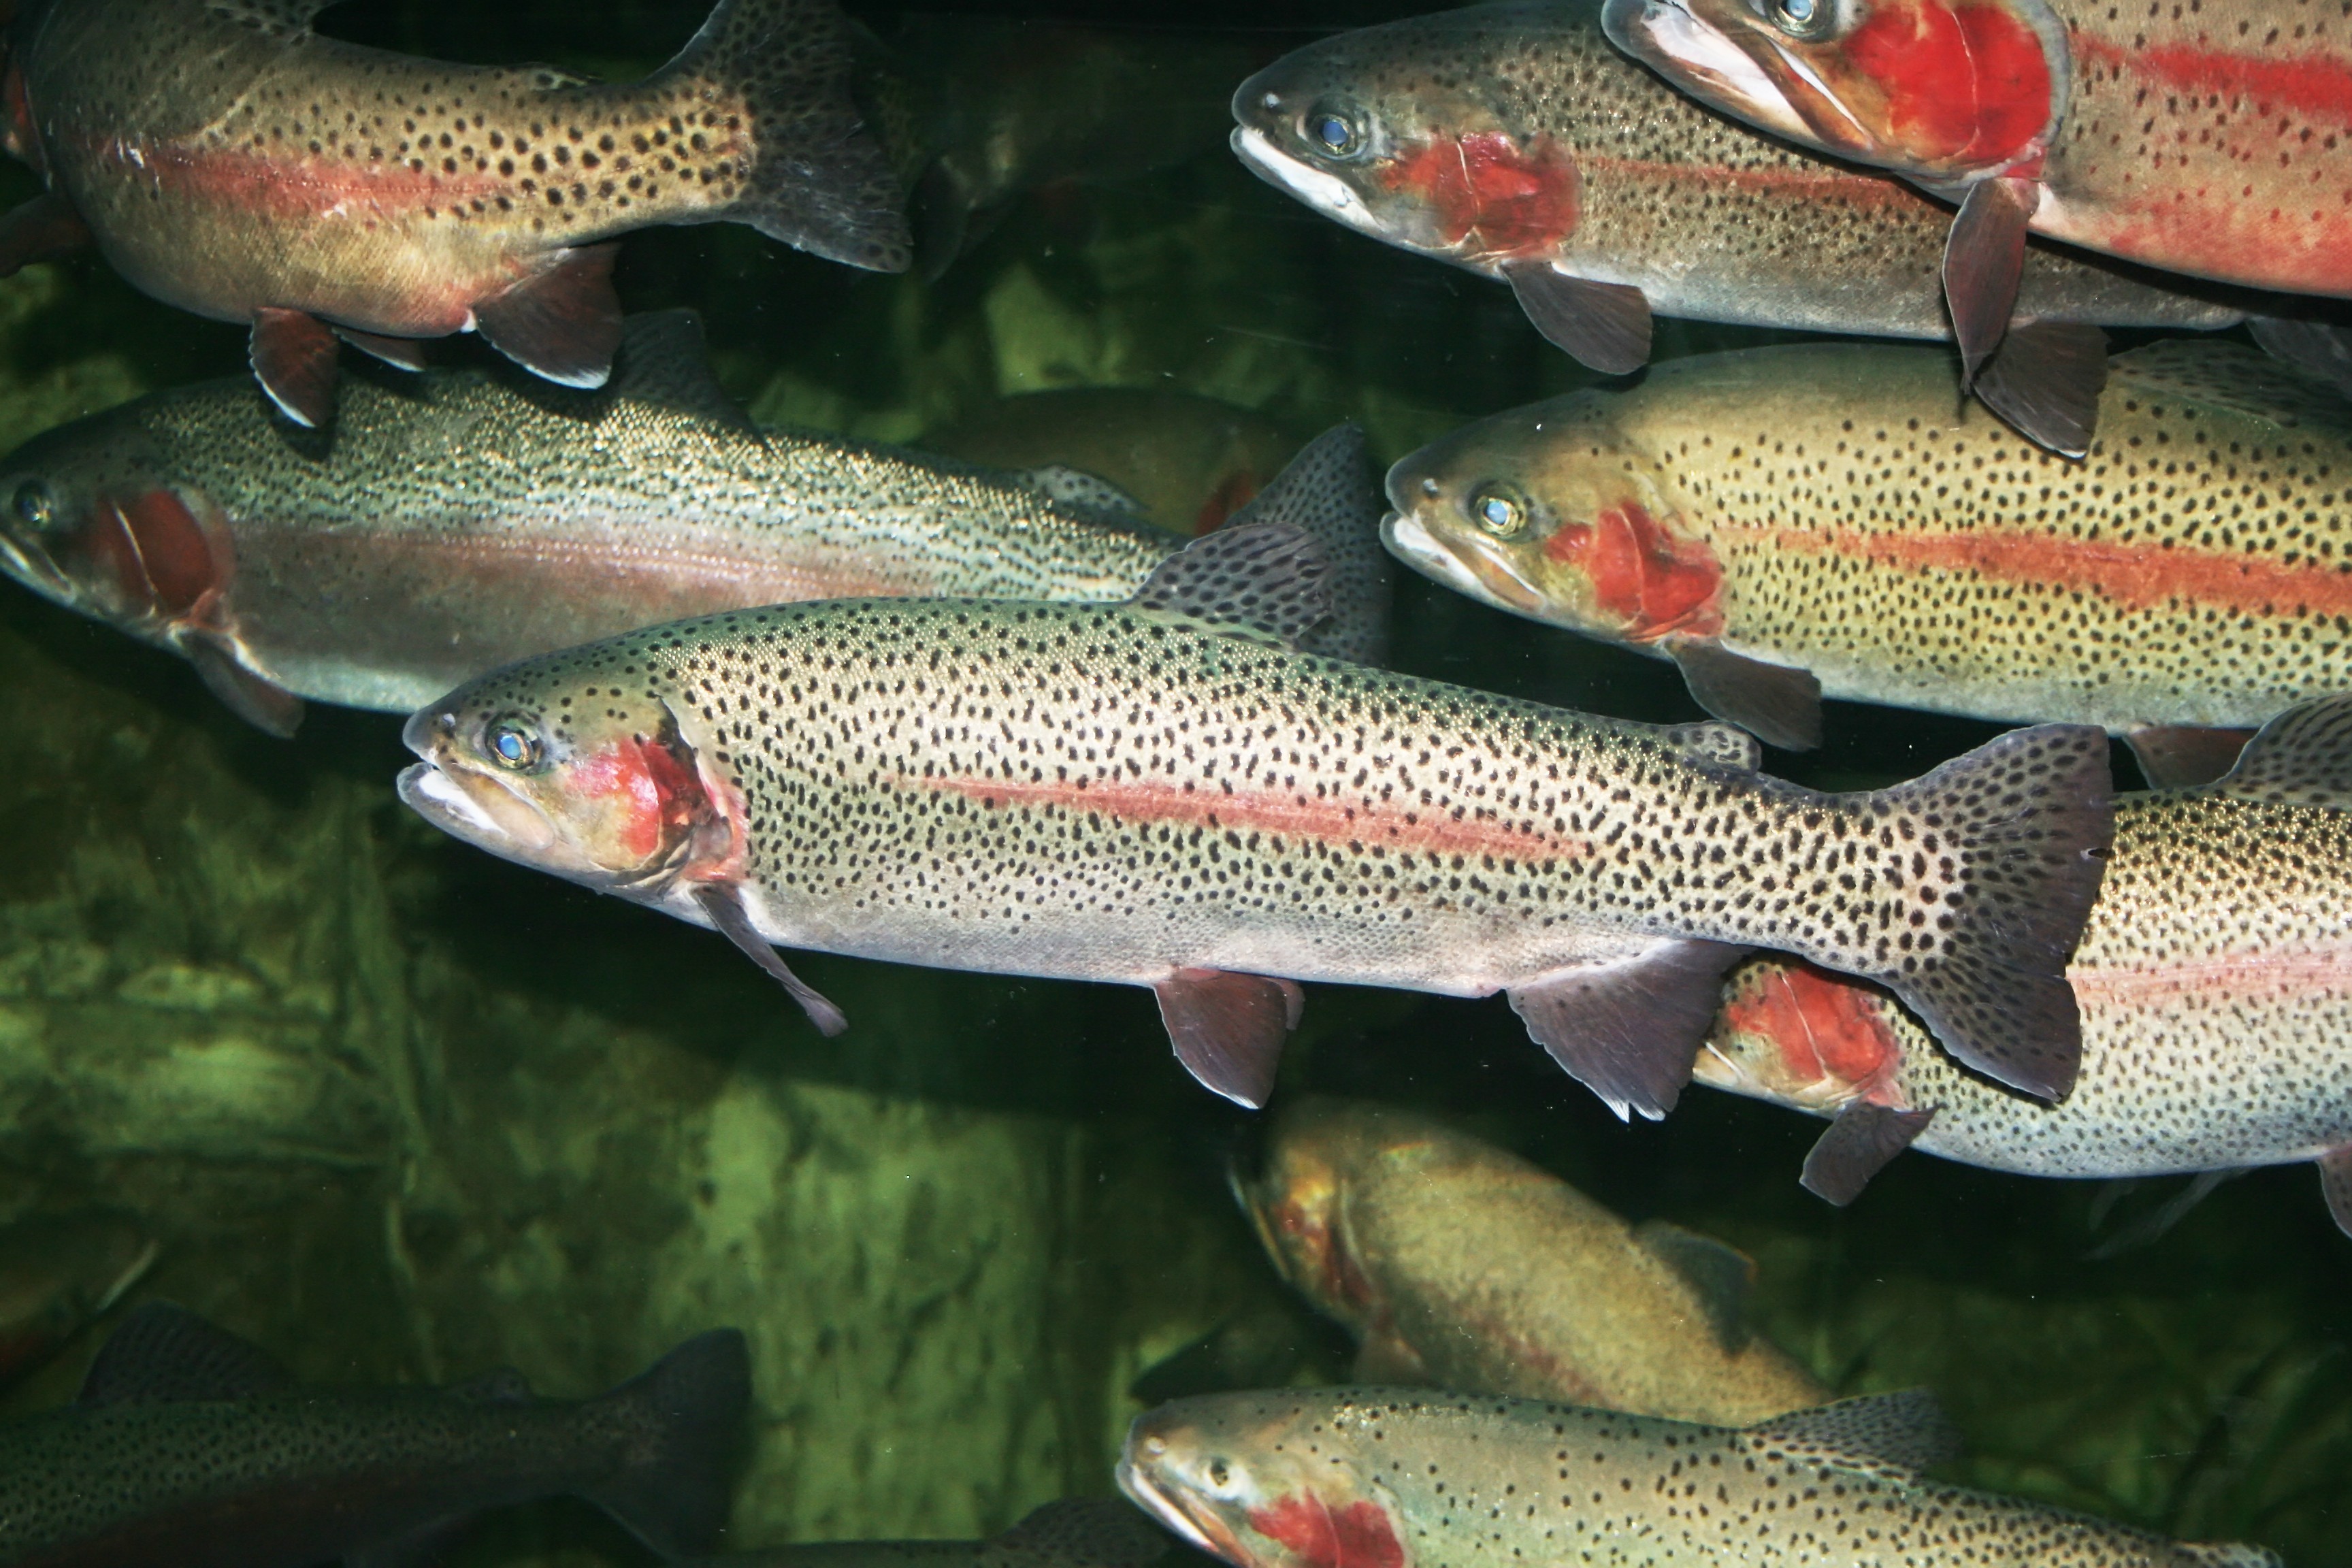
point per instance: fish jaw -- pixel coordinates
(1222, 1474)
(1320, 189)
(1708, 64)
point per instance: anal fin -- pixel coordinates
(1984, 260)
(400, 353)
(1228, 1029)
(1857, 1146)
(293, 356)
(2184, 756)
(1779, 705)
(256, 698)
(2046, 382)
(1629, 1027)
(1604, 325)
(724, 905)
(563, 323)
(2335, 1185)
(43, 229)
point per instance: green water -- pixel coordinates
(401, 1111)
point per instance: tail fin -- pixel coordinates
(685, 1414)
(1328, 491)
(2027, 820)
(817, 180)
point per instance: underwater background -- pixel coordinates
(401, 1111)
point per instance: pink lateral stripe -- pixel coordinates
(2255, 977)
(1293, 815)
(2316, 83)
(2136, 577)
(296, 186)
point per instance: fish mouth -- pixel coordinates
(1144, 1489)
(1320, 189)
(35, 570)
(1467, 567)
(469, 804)
(1675, 42)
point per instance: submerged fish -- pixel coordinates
(58, 1273)
(469, 519)
(1163, 793)
(228, 160)
(2202, 138)
(1074, 1533)
(1512, 140)
(2215, 978)
(1459, 1264)
(189, 1448)
(1372, 1477)
(1786, 522)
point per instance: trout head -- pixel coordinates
(1941, 90)
(1551, 512)
(575, 764)
(1799, 1037)
(1297, 1200)
(1399, 133)
(1262, 1481)
(95, 519)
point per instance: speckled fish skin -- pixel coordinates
(57, 1275)
(465, 518)
(178, 1464)
(2215, 978)
(1501, 133)
(1373, 1478)
(1461, 1266)
(2204, 139)
(1105, 792)
(1839, 509)
(1074, 1533)
(228, 159)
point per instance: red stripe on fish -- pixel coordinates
(2251, 978)
(1364, 825)
(1824, 1029)
(1484, 187)
(1654, 582)
(1966, 86)
(297, 188)
(1357, 1536)
(2316, 84)
(2135, 576)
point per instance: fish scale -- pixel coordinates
(1110, 793)
(1377, 1477)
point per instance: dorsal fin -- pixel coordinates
(662, 359)
(280, 19)
(1886, 1435)
(1268, 582)
(1721, 1277)
(1061, 483)
(163, 1354)
(1724, 745)
(2303, 757)
(2226, 376)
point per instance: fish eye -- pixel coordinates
(1218, 1474)
(1333, 133)
(1498, 511)
(513, 745)
(1801, 18)
(36, 507)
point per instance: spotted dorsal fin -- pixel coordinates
(1724, 745)
(662, 360)
(161, 1353)
(271, 18)
(2303, 757)
(1888, 1435)
(2229, 377)
(1266, 582)
(1067, 486)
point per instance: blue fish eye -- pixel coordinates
(1332, 133)
(36, 508)
(1498, 513)
(513, 746)
(1801, 17)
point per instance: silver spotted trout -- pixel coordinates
(2215, 979)
(228, 159)
(2203, 139)
(189, 1448)
(1786, 522)
(466, 519)
(1458, 1265)
(1375, 1478)
(1511, 139)
(1165, 792)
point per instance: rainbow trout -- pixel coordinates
(2202, 138)
(468, 519)
(2215, 978)
(228, 160)
(190, 1448)
(57, 1275)
(1458, 1265)
(1164, 793)
(1788, 521)
(1512, 140)
(1374, 1478)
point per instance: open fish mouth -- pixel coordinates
(1668, 37)
(1319, 188)
(36, 571)
(1144, 1489)
(441, 800)
(1467, 568)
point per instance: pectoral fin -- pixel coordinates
(1629, 1027)
(1857, 1146)
(1604, 325)
(2335, 1185)
(724, 905)
(256, 698)
(2183, 756)
(1228, 1029)
(1984, 259)
(563, 323)
(2045, 380)
(293, 356)
(43, 229)
(1779, 705)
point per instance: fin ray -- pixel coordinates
(724, 905)
(1629, 1026)
(1604, 325)
(1228, 1029)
